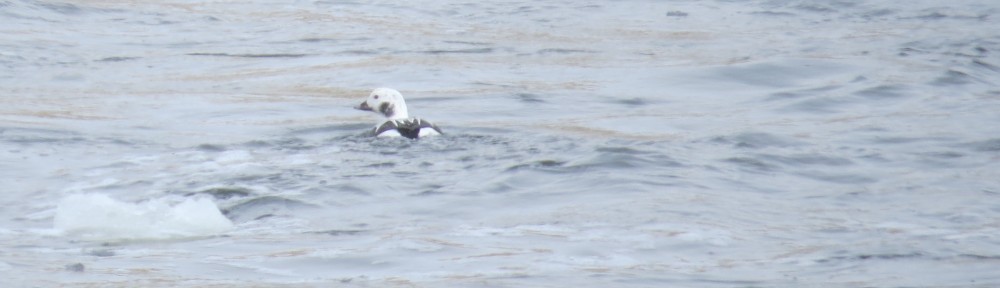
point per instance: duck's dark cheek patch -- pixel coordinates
(385, 109)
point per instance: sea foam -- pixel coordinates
(99, 217)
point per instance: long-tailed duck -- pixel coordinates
(389, 103)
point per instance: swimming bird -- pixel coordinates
(390, 104)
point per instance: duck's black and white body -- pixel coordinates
(390, 104)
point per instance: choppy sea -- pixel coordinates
(768, 143)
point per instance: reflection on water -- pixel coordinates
(670, 143)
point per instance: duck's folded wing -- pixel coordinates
(387, 126)
(427, 124)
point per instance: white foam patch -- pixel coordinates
(97, 216)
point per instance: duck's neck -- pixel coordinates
(398, 112)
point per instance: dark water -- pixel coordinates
(647, 144)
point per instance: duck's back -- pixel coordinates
(412, 128)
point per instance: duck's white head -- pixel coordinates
(386, 101)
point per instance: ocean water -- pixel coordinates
(588, 144)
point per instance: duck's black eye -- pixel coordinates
(376, 96)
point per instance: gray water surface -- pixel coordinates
(587, 143)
